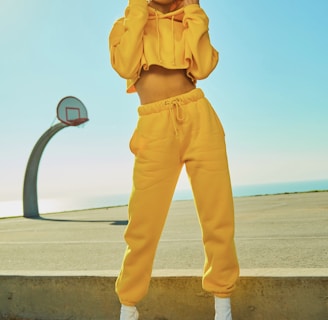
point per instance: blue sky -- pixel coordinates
(269, 89)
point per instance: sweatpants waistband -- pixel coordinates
(167, 104)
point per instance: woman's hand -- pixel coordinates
(177, 4)
(187, 2)
(182, 3)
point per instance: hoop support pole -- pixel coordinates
(30, 194)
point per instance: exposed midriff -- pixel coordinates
(159, 83)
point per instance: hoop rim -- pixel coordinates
(75, 122)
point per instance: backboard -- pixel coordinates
(72, 111)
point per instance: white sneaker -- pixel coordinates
(222, 309)
(129, 313)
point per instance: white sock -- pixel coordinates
(222, 309)
(129, 313)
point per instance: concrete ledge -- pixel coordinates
(262, 294)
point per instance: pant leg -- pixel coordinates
(156, 171)
(207, 168)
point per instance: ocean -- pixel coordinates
(15, 208)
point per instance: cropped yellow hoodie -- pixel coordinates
(175, 40)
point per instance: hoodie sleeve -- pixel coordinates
(125, 39)
(202, 57)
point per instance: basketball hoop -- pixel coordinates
(72, 111)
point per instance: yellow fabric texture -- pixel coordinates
(176, 40)
(182, 130)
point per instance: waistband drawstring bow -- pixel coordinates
(179, 116)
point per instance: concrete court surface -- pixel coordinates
(276, 235)
(275, 231)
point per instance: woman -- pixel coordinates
(162, 47)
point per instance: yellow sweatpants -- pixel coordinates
(182, 130)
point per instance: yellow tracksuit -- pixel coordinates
(182, 130)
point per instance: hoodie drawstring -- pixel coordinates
(173, 40)
(159, 38)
